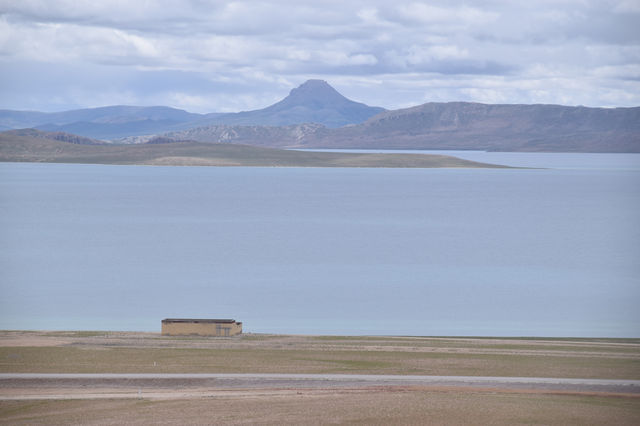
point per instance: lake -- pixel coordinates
(500, 252)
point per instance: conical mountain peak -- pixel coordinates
(317, 92)
(314, 101)
(315, 84)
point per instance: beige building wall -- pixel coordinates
(201, 328)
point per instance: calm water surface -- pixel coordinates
(330, 251)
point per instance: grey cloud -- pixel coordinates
(447, 67)
(176, 17)
(469, 67)
(603, 27)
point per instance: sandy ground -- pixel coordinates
(386, 406)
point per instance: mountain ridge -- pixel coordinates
(308, 109)
(502, 127)
(454, 125)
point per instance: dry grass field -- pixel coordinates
(411, 407)
(119, 352)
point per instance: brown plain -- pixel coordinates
(119, 352)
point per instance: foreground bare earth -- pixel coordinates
(145, 378)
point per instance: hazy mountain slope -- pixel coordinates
(55, 136)
(500, 127)
(11, 119)
(110, 131)
(455, 125)
(118, 121)
(121, 114)
(272, 136)
(496, 127)
(110, 114)
(101, 123)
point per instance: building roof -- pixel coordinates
(201, 320)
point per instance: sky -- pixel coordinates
(226, 56)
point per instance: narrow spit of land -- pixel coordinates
(24, 148)
(276, 379)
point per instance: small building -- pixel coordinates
(200, 327)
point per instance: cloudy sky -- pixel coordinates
(206, 56)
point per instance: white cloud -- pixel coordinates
(368, 15)
(424, 54)
(452, 16)
(626, 6)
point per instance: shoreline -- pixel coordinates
(155, 333)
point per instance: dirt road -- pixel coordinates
(15, 386)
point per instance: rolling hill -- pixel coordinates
(100, 123)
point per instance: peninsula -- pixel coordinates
(30, 145)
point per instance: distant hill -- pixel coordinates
(10, 119)
(463, 125)
(54, 136)
(315, 101)
(100, 123)
(25, 147)
(455, 125)
(292, 136)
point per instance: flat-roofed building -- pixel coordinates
(200, 327)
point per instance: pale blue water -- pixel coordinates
(550, 252)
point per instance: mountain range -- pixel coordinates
(315, 115)
(454, 125)
(314, 101)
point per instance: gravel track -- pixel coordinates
(82, 386)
